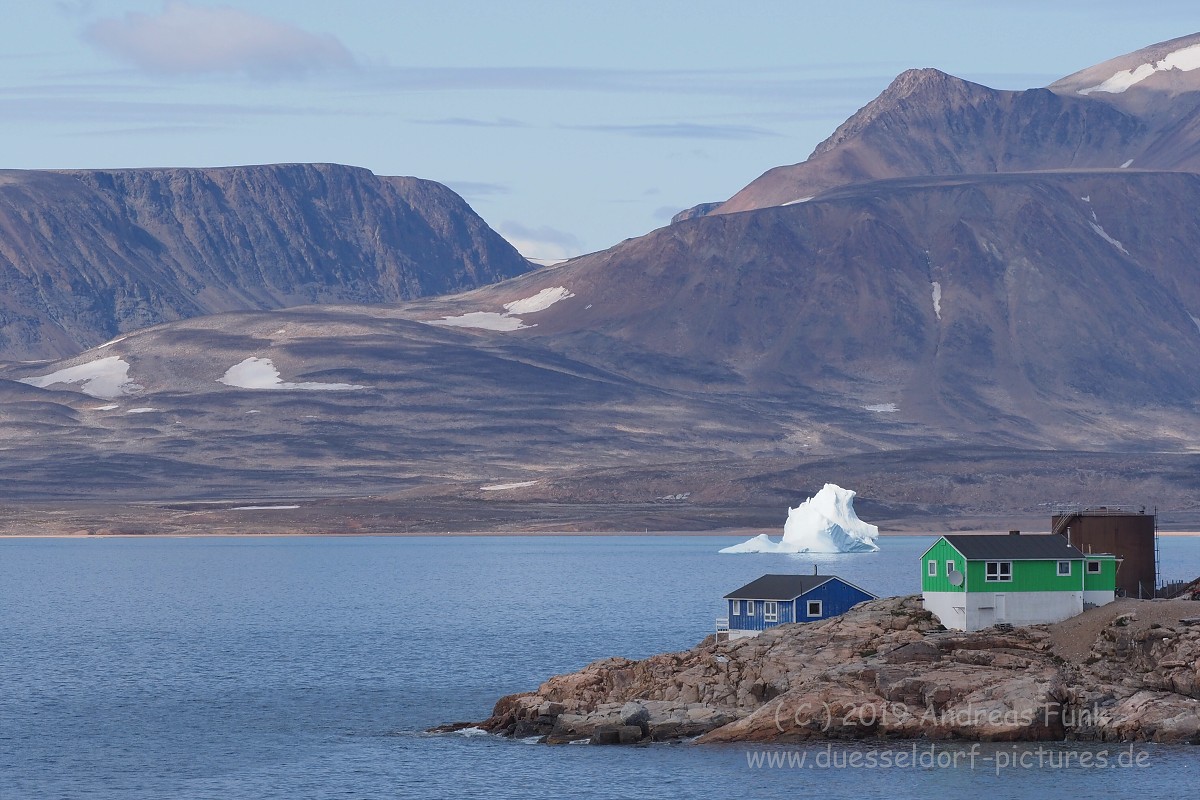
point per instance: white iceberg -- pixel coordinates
(824, 523)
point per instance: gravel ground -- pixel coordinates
(1073, 637)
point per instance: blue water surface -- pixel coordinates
(298, 667)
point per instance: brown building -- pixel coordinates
(1129, 535)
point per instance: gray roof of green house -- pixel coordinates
(1014, 548)
(783, 587)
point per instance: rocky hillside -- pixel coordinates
(86, 255)
(1128, 671)
(929, 123)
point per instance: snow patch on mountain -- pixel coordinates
(937, 299)
(1184, 60)
(484, 320)
(1104, 235)
(260, 373)
(107, 378)
(824, 523)
(539, 302)
(500, 487)
(507, 321)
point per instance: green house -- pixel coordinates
(973, 582)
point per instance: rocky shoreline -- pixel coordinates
(1125, 672)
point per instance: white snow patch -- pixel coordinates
(107, 378)
(487, 320)
(264, 508)
(937, 299)
(883, 408)
(1087, 198)
(1104, 235)
(254, 411)
(1184, 60)
(260, 373)
(508, 321)
(1127, 164)
(112, 406)
(539, 302)
(798, 200)
(142, 410)
(496, 487)
(1196, 320)
(110, 344)
(824, 523)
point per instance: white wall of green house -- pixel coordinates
(1016, 591)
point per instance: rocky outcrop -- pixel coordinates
(87, 254)
(888, 669)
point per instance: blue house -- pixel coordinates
(779, 599)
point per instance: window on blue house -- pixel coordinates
(1064, 568)
(750, 607)
(998, 571)
(736, 608)
(814, 608)
(770, 611)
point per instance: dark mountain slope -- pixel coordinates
(85, 255)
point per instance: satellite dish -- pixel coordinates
(955, 577)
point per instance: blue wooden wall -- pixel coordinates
(836, 596)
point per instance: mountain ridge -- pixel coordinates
(88, 254)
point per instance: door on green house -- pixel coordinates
(1001, 616)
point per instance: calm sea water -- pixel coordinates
(309, 667)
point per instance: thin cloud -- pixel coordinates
(541, 242)
(470, 122)
(470, 189)
(186, 39)
(683, 130)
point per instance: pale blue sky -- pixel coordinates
(568, 126)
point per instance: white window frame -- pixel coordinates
(1062, 574)
(1093, 568)
(999, 574)
(736, 609)
(770, 611)
(949, 567)
(750, 608)
(931, 569)
(808, 608)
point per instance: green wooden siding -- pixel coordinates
(1027, 576)
(941, 552)
(1106, 579)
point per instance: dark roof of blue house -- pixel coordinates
(783, 587)
(1017, 548)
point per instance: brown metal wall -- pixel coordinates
(1128, 536)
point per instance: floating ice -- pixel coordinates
(107, 378)
(260, 373)
(883, 408)
(824, 523)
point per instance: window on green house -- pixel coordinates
(949, 568)
(1064, 568)
(998, 571)
(931, 570)
(1093, 567)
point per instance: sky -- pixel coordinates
(567, 126)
